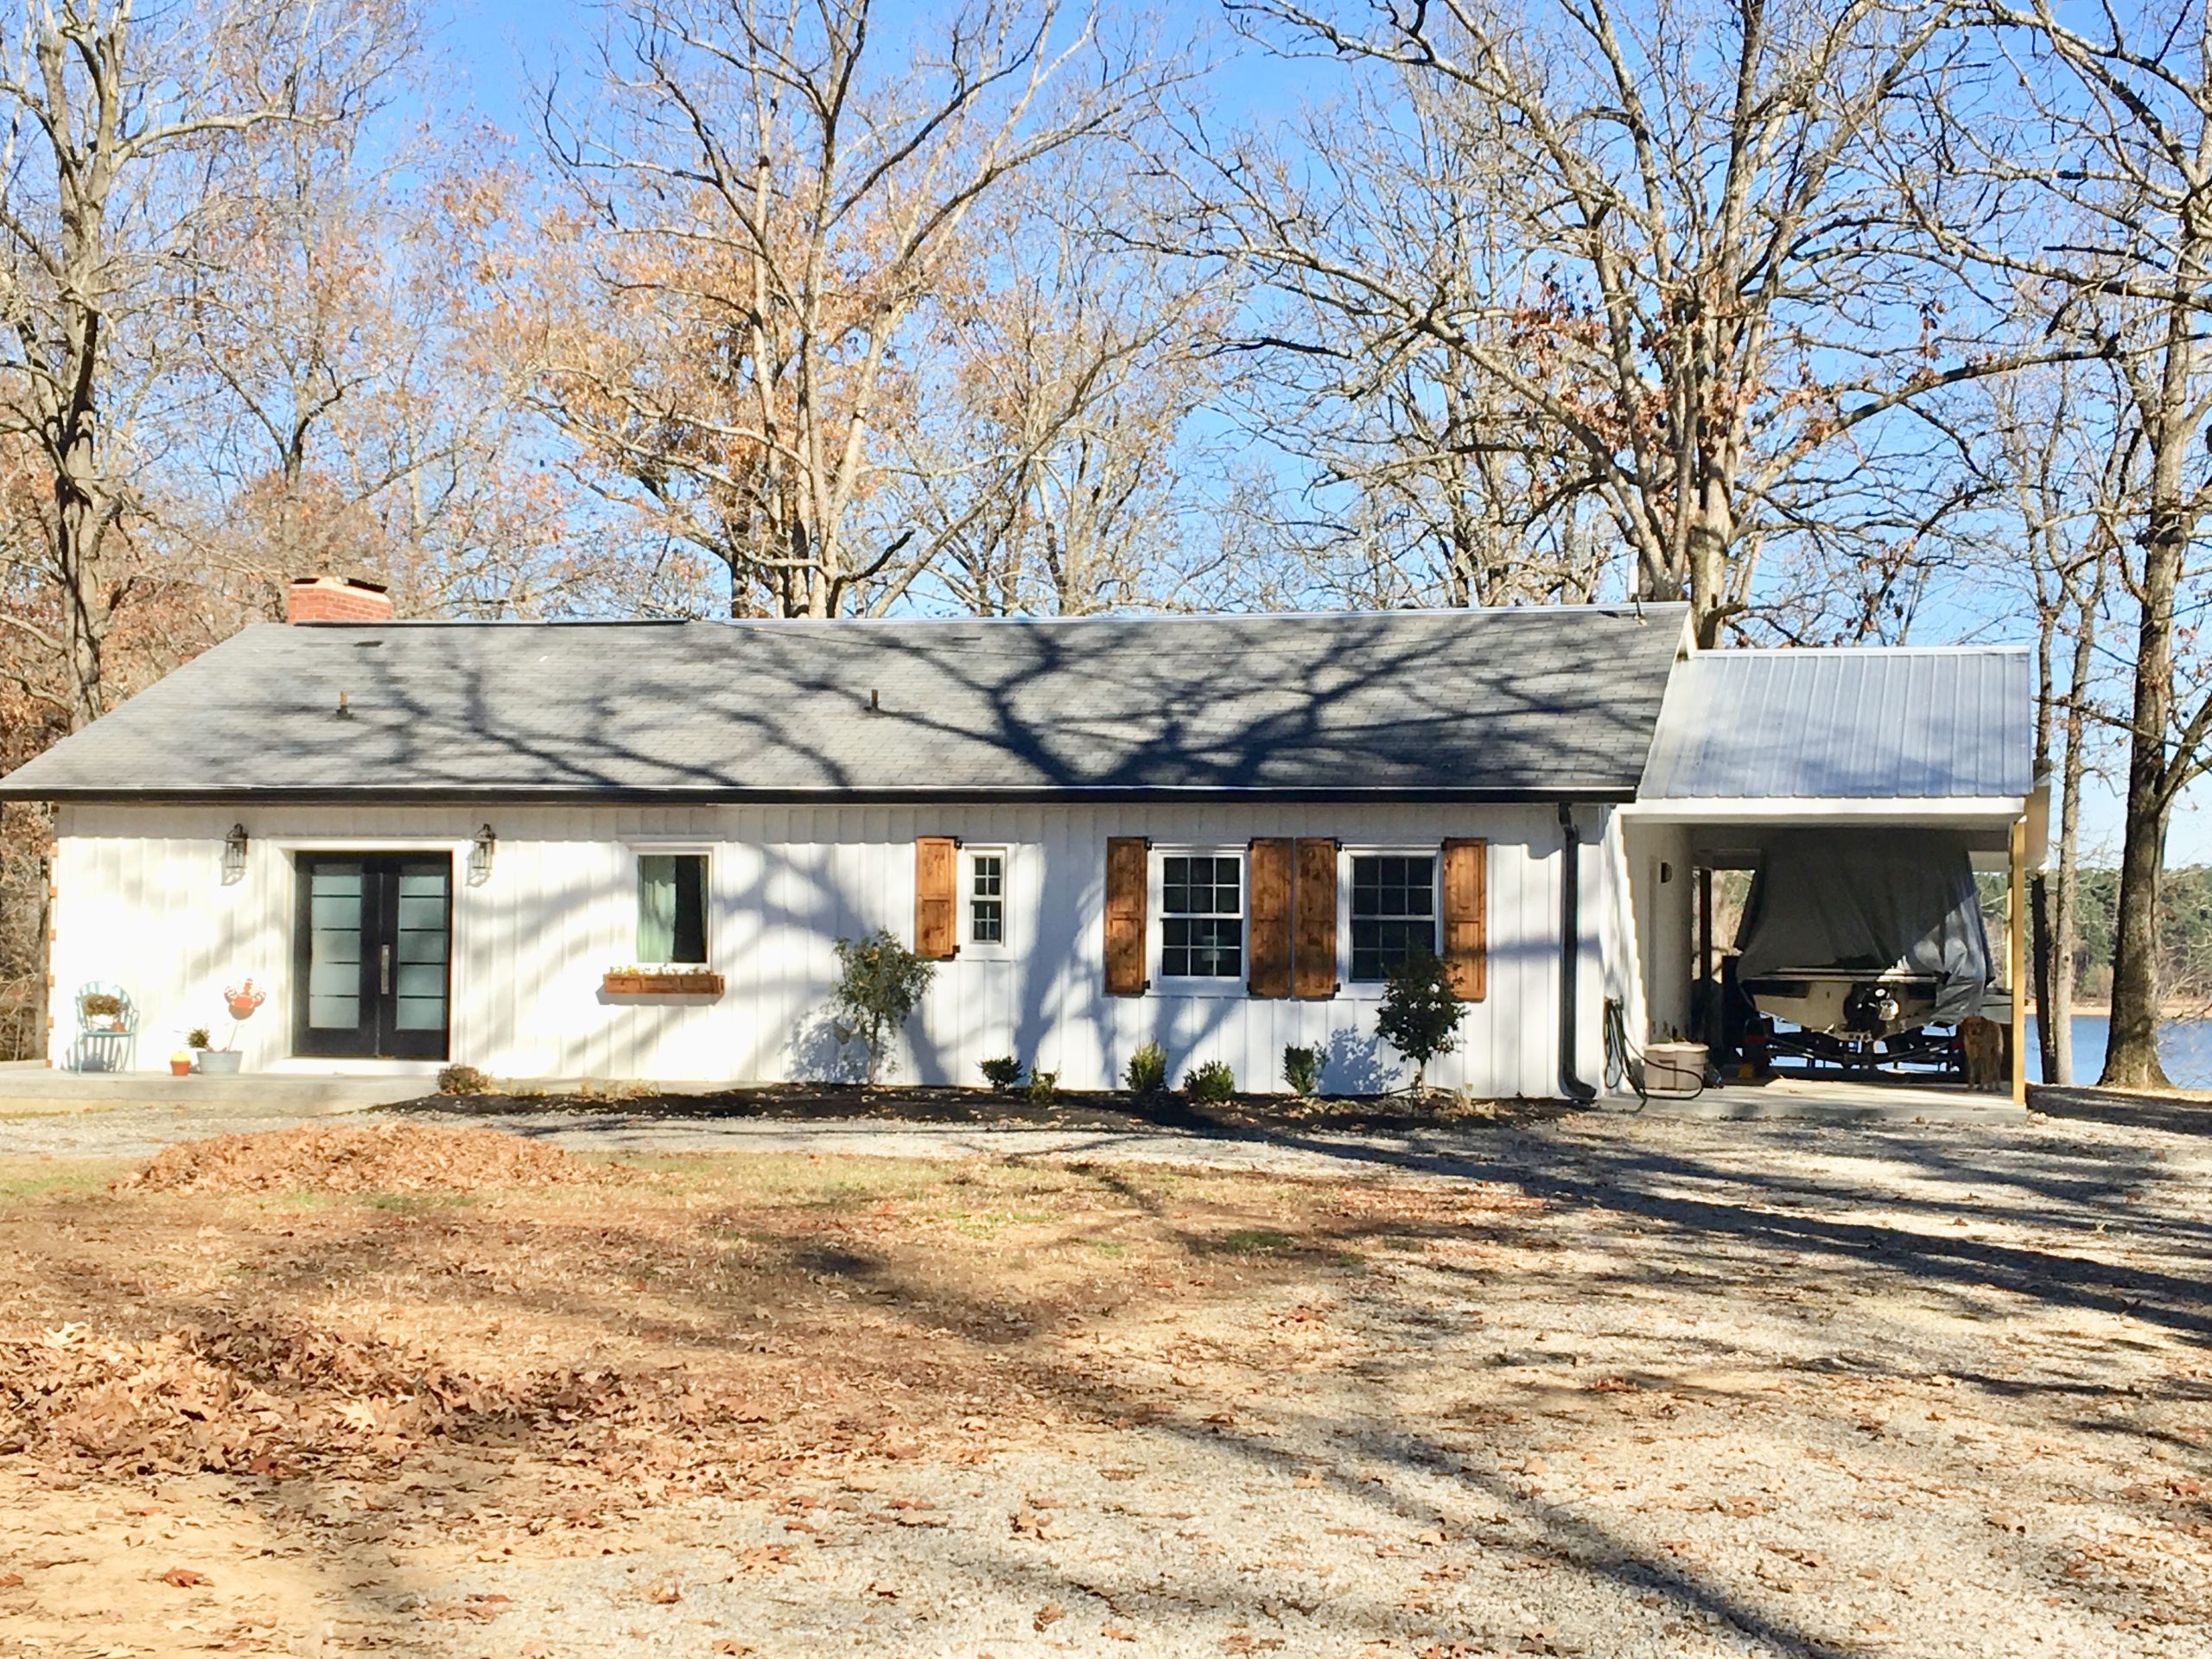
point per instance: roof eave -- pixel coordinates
(713, 795)
(1827, 809)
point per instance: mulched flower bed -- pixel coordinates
(1116, 1109)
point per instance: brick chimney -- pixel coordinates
(336, 598)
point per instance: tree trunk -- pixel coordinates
(2040, 952)
(1710, 534)
(2067, 887)
(77, 535)
(2131, 1057)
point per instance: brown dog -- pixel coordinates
(1982, 1042)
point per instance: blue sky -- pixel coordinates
(494, 49)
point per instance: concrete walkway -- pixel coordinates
(1844, 1100)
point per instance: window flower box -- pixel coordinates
(661, 981)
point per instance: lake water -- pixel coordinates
(2185, 1045)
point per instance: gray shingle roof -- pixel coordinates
(1859, 724)
(1514, 704)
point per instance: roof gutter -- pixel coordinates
(595, 795)
(1570, 952)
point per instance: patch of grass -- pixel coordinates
(989, 1224)
(28, 1179)
(1253, 1241)
(417, 1204)
(1112, 1248)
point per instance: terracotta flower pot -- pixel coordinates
(179, 1068)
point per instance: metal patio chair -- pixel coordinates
(103, 1040)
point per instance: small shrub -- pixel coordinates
(1301, 1068)
(197, 1037)
(1210, 1085)
(1002, 1073)
(1419, 1016)
(1042, 1085)
(101, 1004)
(1147, 1070)
(879, 983)
(463, 1080)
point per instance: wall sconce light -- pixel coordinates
(479, 856)
(234, 855)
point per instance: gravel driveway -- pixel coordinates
(1717, 1389)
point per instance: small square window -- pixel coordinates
(1202, 916)
(672, 907)
(987, 897)
(1393, 913)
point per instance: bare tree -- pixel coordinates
(1051, 457)
(365, 410)
(113, 119)
(1415, 476)
(768, 203)
(2062, 471)
(2109, 230)
(1695, 277)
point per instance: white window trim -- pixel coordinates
(1433, 852)
(1002, 949)
(1156, 922)
(642, 848)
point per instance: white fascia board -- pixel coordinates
(1999, 811)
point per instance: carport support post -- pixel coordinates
(2016, 947)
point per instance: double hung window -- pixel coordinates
(987, 897)
(1202, 916)
(1393, 913)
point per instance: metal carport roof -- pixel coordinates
(1870, 726)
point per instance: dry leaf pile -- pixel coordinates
(377, 1158)
(281, 1397)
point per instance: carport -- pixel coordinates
(1888, 750)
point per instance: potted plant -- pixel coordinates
(181, 1062)
(241, 1000)
(104, 1010)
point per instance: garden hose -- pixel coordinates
(1624, 1059)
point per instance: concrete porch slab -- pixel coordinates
(1826, 1100)
(37, 1091)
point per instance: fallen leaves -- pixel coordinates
(472, 1609)
(184, 1578)
(1030, 1523)
(664, 1591)
(1047, 1616)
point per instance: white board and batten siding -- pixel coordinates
(143, 902)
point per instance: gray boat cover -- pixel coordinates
(1869, 900)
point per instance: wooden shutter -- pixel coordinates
(936, 881)
(1269, 884)
(1315, 974)
(1126, 883)
(1466, 929)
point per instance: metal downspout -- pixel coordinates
(1570, 959)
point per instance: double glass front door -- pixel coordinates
(372, 948)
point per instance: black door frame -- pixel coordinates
(378, 1036)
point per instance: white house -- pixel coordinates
(627, 849)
